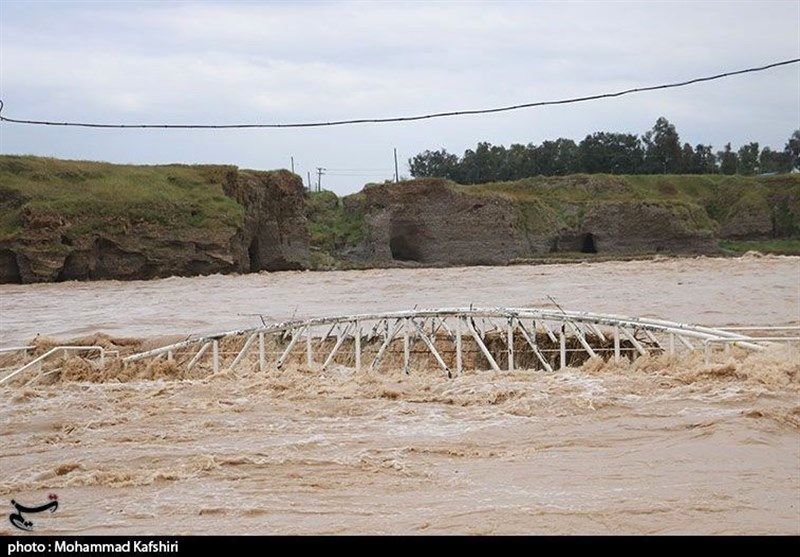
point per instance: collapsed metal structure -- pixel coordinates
(450, 339)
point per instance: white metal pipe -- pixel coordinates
(636, 344)
(482, 346)
(692, 331)
(459, 356)
(262, 353)
(198, 355)
(358, 345)
(510, 342)
(582, 339)
(37, 363)
(532, 342)
(309, 348)
(760, 328)
(759, 339)
(16, 349)
(336, 347)
(215, 355)
(296, 334)
(243, 352)
(432, 348)
(406, 347)
(389, 337)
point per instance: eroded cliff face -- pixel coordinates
(52, 246)
(431, 222)
(633, 227)
(426, 222)
(275, 233)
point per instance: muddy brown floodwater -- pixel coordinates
(659, 446)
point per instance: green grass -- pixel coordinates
(607, 187)
(780, 247)
(94, 195)
(331, 227)
(701, 201)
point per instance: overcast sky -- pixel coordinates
(208, 62)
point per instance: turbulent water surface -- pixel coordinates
(661, 446)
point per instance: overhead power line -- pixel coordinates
(360, 169)
(360, 173)
(403, 118)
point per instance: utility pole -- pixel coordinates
(396, 173)
(320, 172)
(310, 187)
(292, 165)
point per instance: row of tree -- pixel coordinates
(658, 151)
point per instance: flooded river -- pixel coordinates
(703, 291)
(659, 446)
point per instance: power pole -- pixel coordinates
(292, 165)
(396, 173)
(310, 187)
(320, 172)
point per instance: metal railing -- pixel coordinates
(545, 338)
(39, 361)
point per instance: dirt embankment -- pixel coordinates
(431, 222)
(73, 220)
(77, 220)
(435, 222)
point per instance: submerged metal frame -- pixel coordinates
(374, 334)
(429, 325)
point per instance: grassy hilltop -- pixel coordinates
(95, 194)
(52, 208)
(79, 220)
(745, 212)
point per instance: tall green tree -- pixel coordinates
(687, 158)
(748, 159)
(484, 164)
(434, 164)
(521, 161)
(728, 160)
(658, 151)
(662, 148)
(557, 158)
(793, 149)
(770, 161)
(614, 153)
(703, 160)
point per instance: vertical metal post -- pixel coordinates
(672, 344)
(616, 343)
(510, 341)
(262, 353)
(103, 358)
(406, 347)
(170, 356)
(309, 348)
(459, 360)
(358, 345)
(215, 356)
(562, 348)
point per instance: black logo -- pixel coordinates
(18, 520)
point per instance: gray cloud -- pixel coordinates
(267, 62)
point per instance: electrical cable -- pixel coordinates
(400, 118)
